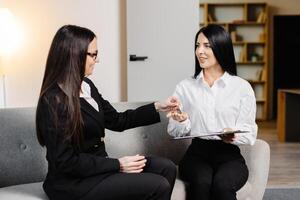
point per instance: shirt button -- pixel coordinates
(96, 145)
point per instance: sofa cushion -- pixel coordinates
(244, 192)
(22, 159)
(179, 190)
(257, 159)
(34, 191)
(146, 140)
(31, 191)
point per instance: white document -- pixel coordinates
(204, 134)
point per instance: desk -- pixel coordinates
(288, 115)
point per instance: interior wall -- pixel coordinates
(276, 7)
(39, 21)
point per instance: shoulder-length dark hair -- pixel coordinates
(65, 69)
(221, 46)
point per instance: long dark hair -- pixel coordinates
(65, 69)
(221, 46)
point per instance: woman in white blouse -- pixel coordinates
(214, 99)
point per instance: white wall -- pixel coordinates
(40, 19)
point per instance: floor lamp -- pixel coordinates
(2, 87)
(10, 36)
(5, 18)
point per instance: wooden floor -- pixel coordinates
(285, 158)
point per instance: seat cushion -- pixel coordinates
(244, 192)
(34, 191)
(31, 191)
(179, 190)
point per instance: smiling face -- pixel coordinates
(91, 58)
(204, 53)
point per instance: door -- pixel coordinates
(286, 52)
(160, 42)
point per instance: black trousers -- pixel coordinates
(156, 182)
(214, 170)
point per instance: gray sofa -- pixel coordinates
(23, 165)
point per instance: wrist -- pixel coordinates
(157, 106)
(120, 165)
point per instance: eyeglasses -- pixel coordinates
(93, 55)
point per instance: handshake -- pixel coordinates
(136, 163)
(172, 107)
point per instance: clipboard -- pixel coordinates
(205, 134)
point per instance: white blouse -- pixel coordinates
(86, 94)
(229, 103)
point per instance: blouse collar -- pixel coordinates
(85, 90)
(223, 80)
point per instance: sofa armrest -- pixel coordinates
(258, 161)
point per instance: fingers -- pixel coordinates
(173, 99)
(178, 116)
(135, 171)
(227, 129)
(135, 167)
(132, 164)
(135, 158)
(171, 103)
(136, 164)
(169, 115)
(228, 138)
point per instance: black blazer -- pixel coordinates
(72, 172)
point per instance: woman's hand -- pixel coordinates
(171, 103)
(132, 164)
(228, 138)
(177, 115)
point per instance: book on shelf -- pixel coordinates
(210, 17)
(262, 17)
(262, 37)
(238, 21)
(258, 74)
(233, 36)
(263, 76)
(243, 56)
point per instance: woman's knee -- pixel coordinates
(164, 162)
(225, 193)
(164, 165)
(164, 185)
(222, 189)
(170, 166)
(161, 188)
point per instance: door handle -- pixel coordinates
(137, 58)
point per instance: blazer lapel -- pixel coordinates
(90, 110)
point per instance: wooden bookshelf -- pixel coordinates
(250, 63)
(247, 24)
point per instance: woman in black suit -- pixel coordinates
(70, 120)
